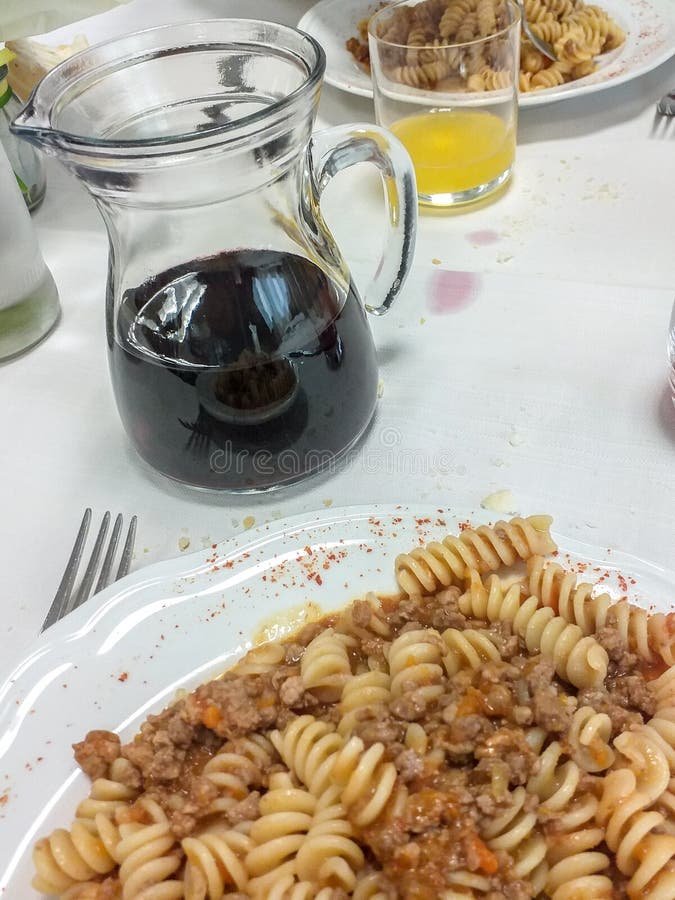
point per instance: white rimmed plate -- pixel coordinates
(175, 624)
(650, 40)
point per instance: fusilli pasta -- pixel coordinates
(459, 744)
(425, 38)
(484, 549)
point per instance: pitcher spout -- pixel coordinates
(33, 127)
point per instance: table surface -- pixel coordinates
(526, 352)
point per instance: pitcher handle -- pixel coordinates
(334, 149)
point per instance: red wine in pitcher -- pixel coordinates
(243, 371)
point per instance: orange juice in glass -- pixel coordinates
(448, 89)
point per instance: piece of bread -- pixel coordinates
(33, 60)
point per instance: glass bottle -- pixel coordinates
(26, 161)
(29, 300)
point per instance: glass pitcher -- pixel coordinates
(240, 354)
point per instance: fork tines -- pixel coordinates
(661, 126)
(665, 112)
(67, 599)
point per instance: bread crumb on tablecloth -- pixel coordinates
(501, 502)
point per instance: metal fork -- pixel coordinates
(541, 45)
(665, 111)
(66, 599)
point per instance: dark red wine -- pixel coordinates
(242, 371)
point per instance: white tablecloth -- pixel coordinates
(546, 378)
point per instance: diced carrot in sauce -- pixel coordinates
(470, 704)
(488, 862)
(211, 717)
(266, 701)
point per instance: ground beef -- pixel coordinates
(506, 642)
(459, 738)
(409, 765)
(245, 811)
(96, 752)
(489, 782)
(425, 809)
(180, 733)
(440, 612)
(385, 836)
(128, 774)
(140, 753)
(167, 758)
(242, 704)
(550, 707)
(411, 706)
(632, 692)
(293, 694)
(407, 612)
(281, 673)
(551, 711)
(185, 809)
(375, 648)
(515, 890)
(362, 613)
(508, 746)
(447, 618)
(622, 659)
(601, 701)
(381, 728)
(448, 598)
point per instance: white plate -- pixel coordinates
(650, 40)
(178, 623)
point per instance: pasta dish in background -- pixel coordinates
(579, 33)
(497, 731)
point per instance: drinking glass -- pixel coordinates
(447, 86)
